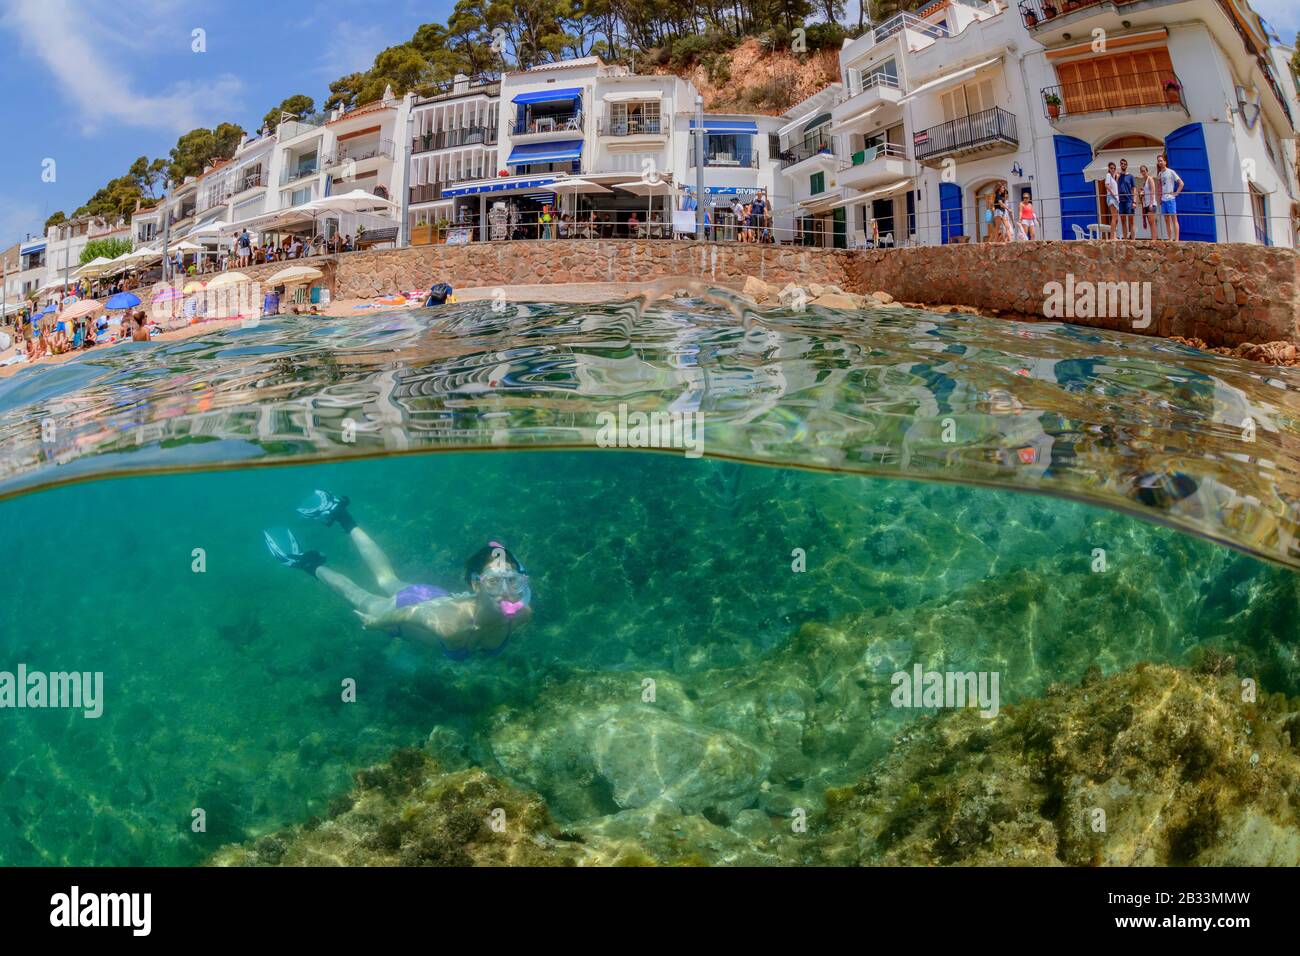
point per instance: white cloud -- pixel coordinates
(1282, 15)
(351, 48)
(89, 47)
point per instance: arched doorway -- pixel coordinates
(1140, 151)
(983, 194)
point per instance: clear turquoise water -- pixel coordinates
(223, 687)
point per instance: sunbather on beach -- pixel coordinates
(483, 618)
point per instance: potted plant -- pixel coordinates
(1049, 11)
(1031, 18)
(1053, 105)
(440, 228)
(1173, 92)
(426, 139)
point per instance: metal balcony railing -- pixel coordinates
(909, 21)
(870, 82)
(250, 181)
(354, 154)
(1158, 88)
(300, 172)
(822, 143)
(547, 123)
(872, 153)
(978, 129)
(631, 126)
(448, 138)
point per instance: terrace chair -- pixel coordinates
(574, 122)
(887, 239)
(1078, 231)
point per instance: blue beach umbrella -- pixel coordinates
(122, 301)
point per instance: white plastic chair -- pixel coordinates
(1078, 232)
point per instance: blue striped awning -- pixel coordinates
(498, 186)
(555, 152)
(726, 126)
(28, 249)
(549, 96)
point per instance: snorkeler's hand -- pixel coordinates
(369, 621)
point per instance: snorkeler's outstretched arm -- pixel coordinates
(442, 618)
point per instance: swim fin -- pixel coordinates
(293, 556)
(329, 508)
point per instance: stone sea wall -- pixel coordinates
(1224, 294)
(370, 274)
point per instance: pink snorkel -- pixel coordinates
(508, 608)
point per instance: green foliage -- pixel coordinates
(148, 175)
(108, 248)
(56, 219)
(201, 147)
(298, 104)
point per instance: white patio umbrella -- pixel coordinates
(358, 200)
(575, 185)
(649, 189)
(184, 246)
(92, 268)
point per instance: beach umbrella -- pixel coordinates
(94, 267)
(193, 285)
(358, 200)
(228, 279)
(184, 246)
(575, 185)
(80, 309)
(122, 301)
(295, 275)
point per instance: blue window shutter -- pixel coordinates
(1078, 196)
(1187, 156)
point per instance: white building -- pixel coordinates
(453, 139)
(608, 126)
(941, 106)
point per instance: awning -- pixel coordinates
(630, 97)
(549, 96)
(838, 127)
(726, 126)
(948, 79)
(26, 250)
(884, 192)
(505, 184)
(1095, 171)
(1112, 41)
(555, 152)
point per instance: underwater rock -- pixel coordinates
(1153, 766)
(409, 812)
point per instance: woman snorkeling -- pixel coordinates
(482, 619)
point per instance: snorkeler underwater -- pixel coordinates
(755, 440)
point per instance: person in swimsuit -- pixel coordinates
(482, 619)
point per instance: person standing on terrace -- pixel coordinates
(1168, 187)
(1112, 199)
(1128, 196)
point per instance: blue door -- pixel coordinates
(1186, 154)
(1078, 197)
(950, 211)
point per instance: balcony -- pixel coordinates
(428, 192)
(875, 166)
(294, 174)
(744, 159)
(908, 21)
(991, 131)
(631, 126)
(449, 138)
(347, 153)
(851, 112)
(1157, 90)
(821, 146)
(547, 125)
(249, 181)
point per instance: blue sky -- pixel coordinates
(92, 84)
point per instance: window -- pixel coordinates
(885, 74)
(967, 100)
(638, 116)
(817, 183)
(300, 196)
(1118, 81)
(1259, 212)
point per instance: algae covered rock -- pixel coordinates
(409, 812)
(1154, 766)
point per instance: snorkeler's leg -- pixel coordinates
(361, 599)
(376, 561)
